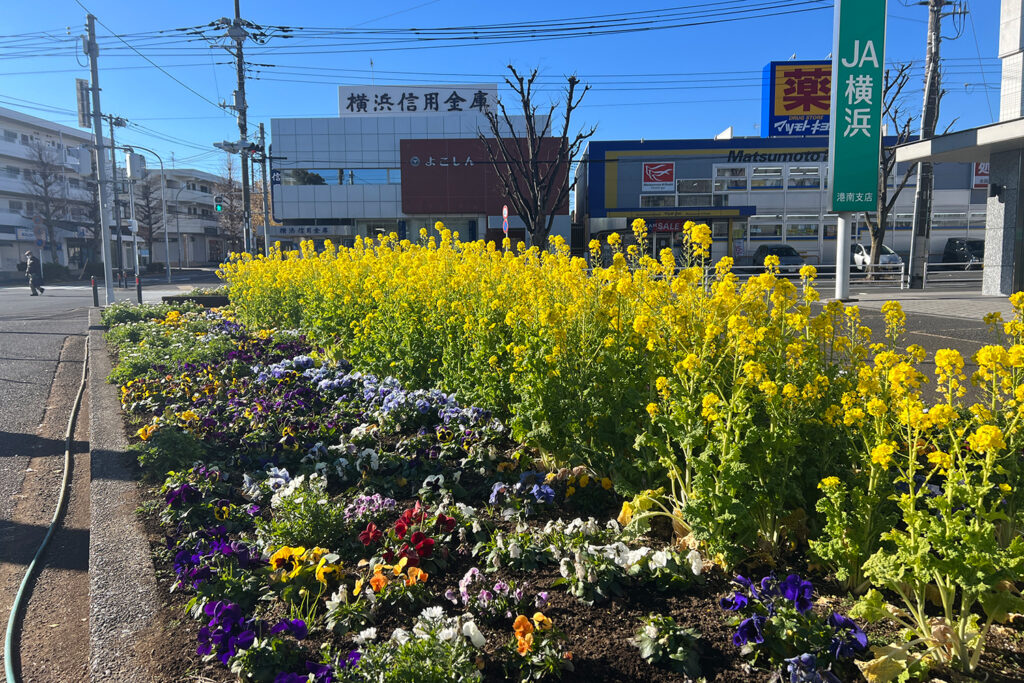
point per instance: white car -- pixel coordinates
(862, 257)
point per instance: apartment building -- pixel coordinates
(27, 143)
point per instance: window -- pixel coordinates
(205, 189)
(902, 220)
(719, 229)
(804, 178)
(801, 230)
(15, 205)
(173, 185)
(693, 186)
(731, 179)
(766, 178)
(657, 200)
(73, 182)
(10, 136)
(12, 171)
(949, 220)
(766, 226)
(977, 219)
(694, 192)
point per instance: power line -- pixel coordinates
(160, 68)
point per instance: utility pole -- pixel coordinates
(266, 203)
(92, 50)
(238, 34)
(120, 123)
(919, 245)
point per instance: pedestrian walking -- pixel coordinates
(34, 272)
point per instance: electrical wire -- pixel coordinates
(160, 68)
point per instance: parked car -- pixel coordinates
(960, 250)
(862, 257)
(790, 260)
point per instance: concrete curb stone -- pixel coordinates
(123, 596)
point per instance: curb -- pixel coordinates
(123, 596)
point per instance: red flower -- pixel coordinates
(444, 522)
(388, 556)
(413, 515)
(410, 554)
(401, 528)
(371, 534)
(424, 546)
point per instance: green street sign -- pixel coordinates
(855, 137)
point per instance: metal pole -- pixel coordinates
(266, 202)
(177, 221)
(843, 256)
(117, 212)
(239, 34)
(919, 245)
(135, 224)
(163, 211)
(101, 162)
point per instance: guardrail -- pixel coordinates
(881, 275)
(953, 273)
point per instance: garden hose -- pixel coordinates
(12, 621)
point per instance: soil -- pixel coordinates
(54, 635)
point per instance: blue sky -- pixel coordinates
(686, 82)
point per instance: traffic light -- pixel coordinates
(218, 204)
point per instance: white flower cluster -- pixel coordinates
(433, 624)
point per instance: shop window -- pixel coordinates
(766, 178)
(371, 176)
(720, 230)
(949, 220)
(801, 230)
(765, 230)
(902, 220)
(693, 186)
(304, 176)
(804, 178)
(976, 219)
(657, 200)
(731, 179)
(697, 200)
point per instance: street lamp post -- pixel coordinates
(163, 210)
(177, 222)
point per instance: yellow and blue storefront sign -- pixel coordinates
(796, 98)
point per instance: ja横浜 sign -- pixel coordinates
(855, 139)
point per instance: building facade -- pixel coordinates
(396, 159)
(26, 143)
(755, 191)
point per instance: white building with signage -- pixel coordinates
(395, 159)
(22, 139)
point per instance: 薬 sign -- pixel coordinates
(797, 98)
(855, 139)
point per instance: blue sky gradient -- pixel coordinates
(686, 82)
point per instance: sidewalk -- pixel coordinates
(946, 303)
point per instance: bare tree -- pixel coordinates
(533, 169)
(46, 183)
(148, 211)
(232, 218)
(894, 112)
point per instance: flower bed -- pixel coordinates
(734, 427)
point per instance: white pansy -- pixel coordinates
(470, 630)
(696, 563)
(432, 613)
(565, 568)
(651, 631)
(366, 636)
(514, 551)
(659, 559)
(400, 636)
(448, 634)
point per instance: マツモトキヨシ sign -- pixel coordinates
(855, 139)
